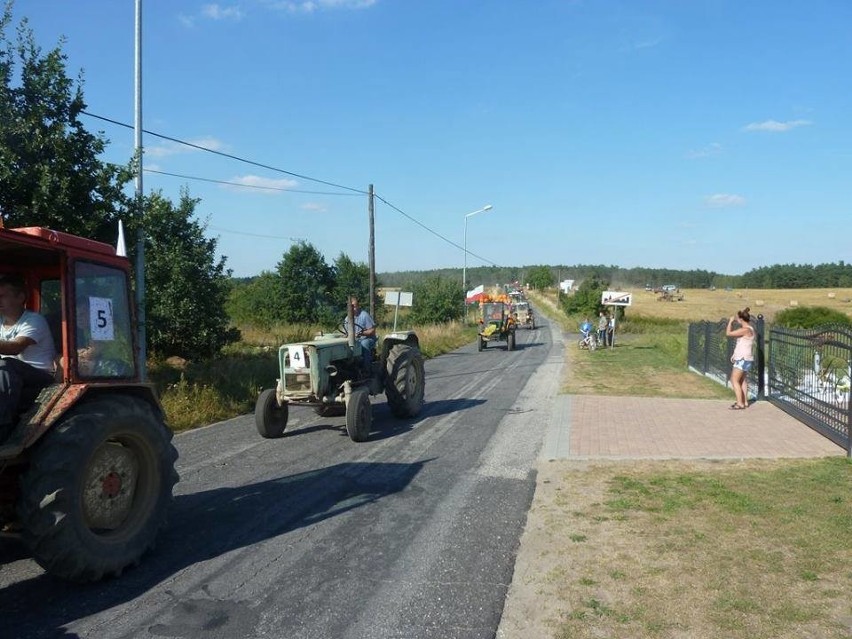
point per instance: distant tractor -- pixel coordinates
(88, 468)
(328, 375)
(523, 315)
(496, 325)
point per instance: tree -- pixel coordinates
(186, 286)
(586, 300)
(306, 286)
(540, 277)
(437, 300)
(50, 174)
(257, 302)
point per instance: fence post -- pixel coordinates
(761, 359)
(706, 366)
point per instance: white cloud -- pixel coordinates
(255, 182)
(219, 12)
(309, 6)
(714, 148)
(314, 206)
(722, 200)
(773, 126)
(173, 148)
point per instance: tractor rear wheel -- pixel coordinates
(359, 415)
(481, 344)
(270, 418)
(97, 488)
(510, 341)
(405, 382)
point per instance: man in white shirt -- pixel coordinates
(27, 353)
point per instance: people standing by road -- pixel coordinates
(602, 325)
(610, 330)
(27, 352)
(365, 330)
(743, 357)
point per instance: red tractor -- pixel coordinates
(88, 469)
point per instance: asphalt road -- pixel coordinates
(413, 533)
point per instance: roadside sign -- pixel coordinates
(616, 298)
(399, 298)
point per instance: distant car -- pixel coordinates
(668, 288)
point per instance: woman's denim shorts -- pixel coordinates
(743, 364)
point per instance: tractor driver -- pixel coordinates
(365, 330)
(27, 353)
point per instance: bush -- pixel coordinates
(806, 317)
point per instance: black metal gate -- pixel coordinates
(809, 377)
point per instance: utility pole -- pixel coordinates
(140, 232)
(372, 251)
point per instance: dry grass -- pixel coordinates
(704, 304)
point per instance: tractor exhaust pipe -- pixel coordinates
(350, 315)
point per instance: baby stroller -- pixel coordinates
(588, 337)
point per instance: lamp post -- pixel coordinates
(487, 207)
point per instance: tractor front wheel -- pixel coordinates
(270, 418)
(359, 415)
(97, 488)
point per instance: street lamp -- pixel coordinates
(487, 207)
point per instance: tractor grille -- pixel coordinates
(296, 382)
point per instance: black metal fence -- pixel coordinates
(809, 378)
(808, 375)
(709, 353)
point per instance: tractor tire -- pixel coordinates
(480, 344)
(97, 489)
(510, 341)
(359, 415)
(405, 382)
(330, 410)
(270, 418)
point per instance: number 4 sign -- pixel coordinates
(297, 357)
(101, 320)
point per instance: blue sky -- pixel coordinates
(700, 134)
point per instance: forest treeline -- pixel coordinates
(831, 275)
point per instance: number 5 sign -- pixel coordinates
(101, 320)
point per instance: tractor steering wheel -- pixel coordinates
(341, 328)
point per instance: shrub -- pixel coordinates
(805, 317)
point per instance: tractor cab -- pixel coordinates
(94, 441)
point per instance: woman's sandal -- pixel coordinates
(737, 407)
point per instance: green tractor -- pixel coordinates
(328, 375)
(496, 325)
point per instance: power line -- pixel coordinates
(267, 237)
(272, 168)
(227, 155)
(435, 233)
(246, 186)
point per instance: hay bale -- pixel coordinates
(758, 302)
(794, 303)
(831, 296)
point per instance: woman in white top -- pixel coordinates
(743, 358)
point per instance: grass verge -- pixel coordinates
(747, 550)
(648, 359)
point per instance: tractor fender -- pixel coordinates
(60, 398)
(399, 337)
